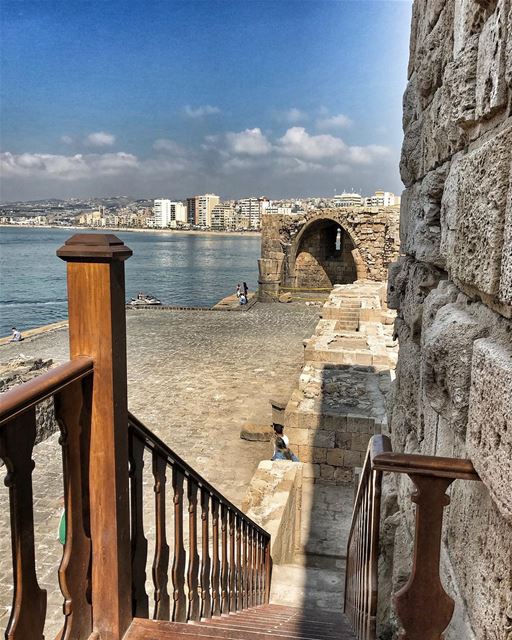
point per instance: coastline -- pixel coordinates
(134, 230)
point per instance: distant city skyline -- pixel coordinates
(286, 98)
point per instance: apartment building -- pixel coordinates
(223, 217)
(199, 209)
(162, 212)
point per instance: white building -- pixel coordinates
(277, 210)
(382, 199)
(250, 211)
(204, 207)
(178, 214)
(162, 213)
(346, 199)
(223, 217)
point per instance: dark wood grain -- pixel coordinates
(206, 598)
(97, 329)
(28, 612)
(194, 609)
(216, 589)
(73, 414)
(179, 613)
(232, 562)
(161, 559)
(224, 570)
(139, 543)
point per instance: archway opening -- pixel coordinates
(324, 257)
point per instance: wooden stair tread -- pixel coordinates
(257, 623)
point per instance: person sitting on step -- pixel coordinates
(283, 453)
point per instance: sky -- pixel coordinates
(150, 98)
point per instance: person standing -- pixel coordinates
(238, 290)
(246, 290)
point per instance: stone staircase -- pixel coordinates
(267, 621)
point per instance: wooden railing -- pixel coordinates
(229, 571)
(422, 605)
(70, 385)
(103, 454)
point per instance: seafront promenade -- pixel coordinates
(194, 378)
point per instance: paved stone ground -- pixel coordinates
(194, 378)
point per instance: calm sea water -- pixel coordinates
(188, 270)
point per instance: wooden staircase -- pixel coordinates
(267, 621)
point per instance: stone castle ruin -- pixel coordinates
(326, 247)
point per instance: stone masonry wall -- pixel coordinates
(452, 288)
(373, 232)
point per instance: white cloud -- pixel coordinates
(291, 116)
(299, 143)
(251, 142)
(67, 139)
(100, 139)
(199, 112)
(333, 122)
(168, 146)
(368, 154)
(61, 167)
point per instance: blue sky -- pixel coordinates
(176, 97)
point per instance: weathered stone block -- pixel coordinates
(490, 419)
(483, 184)
(447, 352)
(298, 436)
(343, 440)
(353, 458)
(256, 432)
(322, 438)
(360, 442)
(311, 471)
(326, 472)
(491, 86)
(336, 457)
(505, 292)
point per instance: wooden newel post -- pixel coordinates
(422, 605)
(97, 328)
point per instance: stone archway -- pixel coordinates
(325, 256)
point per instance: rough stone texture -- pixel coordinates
(19, 370)
(256, 432)
(302, 251)
(339, 403)
(452, 290)
(273, 500)
(490, 440)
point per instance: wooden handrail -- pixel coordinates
(238, 573)
(153, 442)
(24, 396)
(422, 605)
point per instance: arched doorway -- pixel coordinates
(324, 256)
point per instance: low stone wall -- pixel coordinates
(340, 401)
(19, 370)
(273, 501)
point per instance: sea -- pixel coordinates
(179, 269)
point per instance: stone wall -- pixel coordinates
(339, 403)
(300, 251)
(19, 370)
(453, 291)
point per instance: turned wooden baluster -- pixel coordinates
(193, 558)
(73, 414)
(140, 600)
(232, 564)
(255, 564)
(239, 568)
(245, 564)
(216, 599)
(206, 601)
(224, 563)
(178, 566)
(29, 601)
(268, 571)
(423, 606)
(161, 559)
(250, 583)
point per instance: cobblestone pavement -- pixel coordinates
(193, 378)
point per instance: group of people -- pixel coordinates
(241, 293)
